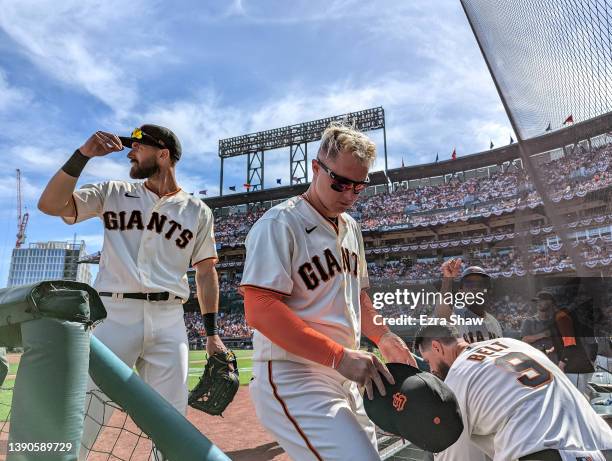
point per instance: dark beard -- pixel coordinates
(143, 171)
(443, 370)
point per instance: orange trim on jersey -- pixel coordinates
(248, 285)
(368, 327)
(202, 260)
(267, 313)
(291, 418)
(164, 195)
(321, 214)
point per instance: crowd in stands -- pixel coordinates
(231, 325)
(581, 171)
(404, 270)
(511, 312)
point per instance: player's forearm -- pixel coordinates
(57, 196)
(268, 314)
(368, 325)
(207, 285)
(443, 309)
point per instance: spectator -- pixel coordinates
(538, 331)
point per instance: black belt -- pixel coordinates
(553, 455)
(164, 296)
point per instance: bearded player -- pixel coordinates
(516, 404)
(304, 284)
(153, 231)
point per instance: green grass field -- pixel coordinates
(6, 396)
(197, 359)
(196, 367)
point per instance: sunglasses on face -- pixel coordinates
(475, 285)
(342, 184)
(142, 138)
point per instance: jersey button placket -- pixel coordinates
(146, 251)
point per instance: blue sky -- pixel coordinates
(215, 69)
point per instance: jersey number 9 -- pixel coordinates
(532, 374)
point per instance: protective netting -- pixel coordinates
(6, 395)
(552, 63)
(118, 438)
(550, 58)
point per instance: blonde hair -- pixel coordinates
(340, 137)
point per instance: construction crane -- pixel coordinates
(22, 220)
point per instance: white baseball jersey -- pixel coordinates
(478, 328)
(320, 268)
(149, 240)
(515, 401)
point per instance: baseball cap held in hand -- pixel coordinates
(419, 407)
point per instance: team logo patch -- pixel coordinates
(399, 401)
(584, 458)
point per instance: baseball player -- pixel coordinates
(153, 231)
(516, 404)
(474, 279)
(304, 285)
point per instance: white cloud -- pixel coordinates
(11, 97)
(81, 43)
(435, 112)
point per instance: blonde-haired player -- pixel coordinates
(304, 283)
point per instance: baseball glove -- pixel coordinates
(218, 385)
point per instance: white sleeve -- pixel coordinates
(88, 202)
(462, 449)
(269, 250)
(205, 245)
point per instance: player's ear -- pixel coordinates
(164, 154)
(436, 346)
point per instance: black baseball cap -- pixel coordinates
(543, 296)
(419, 407)
(157, 136)
(474, 270)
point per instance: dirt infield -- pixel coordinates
(238, 433)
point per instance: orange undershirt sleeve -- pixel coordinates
(566, 328)
(368, 327)
(267, 313)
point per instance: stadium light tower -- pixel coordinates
(296, 137)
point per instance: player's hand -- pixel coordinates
(452, 268)
(394, 349)
(214, 345)
(101, 143)
(365, 368)
(562, 366)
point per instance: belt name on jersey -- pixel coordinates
(313, 271)
(157, 223)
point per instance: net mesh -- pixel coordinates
(552, 63)
(550, 58)
(6, 396)
(118, 437)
